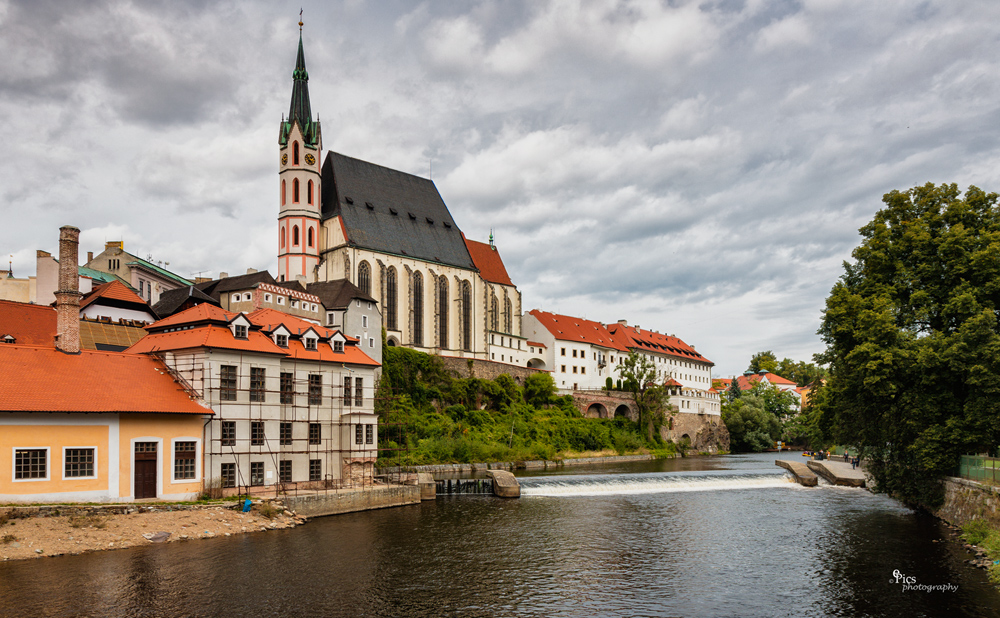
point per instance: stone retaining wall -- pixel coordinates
(443, 469)
(484, 369)
(966, 500)
(349, 501)
(706, 432)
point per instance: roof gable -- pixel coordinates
(393, 212)
(487, 260)
(337, 294)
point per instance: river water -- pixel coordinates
(720, 536)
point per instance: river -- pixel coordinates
(714, 536)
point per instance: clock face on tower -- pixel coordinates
(284, 159)
(310, 160)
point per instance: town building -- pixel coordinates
(87, 426)
(148, 279)
(390, 234)
(293, 401)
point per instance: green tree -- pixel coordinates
(734, 391)
(639, 375)
(800, 372)
(913, 341)
(539, 389)
(752, 428)
(764, 361)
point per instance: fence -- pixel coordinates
(979, 468)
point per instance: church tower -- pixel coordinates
(300, 146)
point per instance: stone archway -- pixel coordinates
(596, 410)
(536, 363)
(623, 410)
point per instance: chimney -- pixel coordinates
(90, 257)
(251, 271)
(68, 292)
(223, 275)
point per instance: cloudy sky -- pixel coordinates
(697, 168)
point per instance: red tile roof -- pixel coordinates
(537, 345)
(269, 319)
(46, 380)
(658, 343)
(204, 312)
(487, 260)
(206, 336)
(567, 328)
(28, 324)
(748, 382)
(115, 290)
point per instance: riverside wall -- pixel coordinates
(446, 469)
(349, 501)
(966, 500)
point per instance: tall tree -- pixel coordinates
(763, 361)
(913, 339)
(639, 375)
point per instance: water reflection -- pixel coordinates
(755, 551)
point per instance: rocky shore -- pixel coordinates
(36, 532)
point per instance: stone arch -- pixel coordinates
(536, 363)
(623, 410)
(596, 410)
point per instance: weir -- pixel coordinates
(650, 483)
(464, 486)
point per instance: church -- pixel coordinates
(391, 234)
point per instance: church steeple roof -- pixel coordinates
(300, 110)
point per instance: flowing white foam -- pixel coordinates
(611, 485)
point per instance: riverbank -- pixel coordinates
(36, 532)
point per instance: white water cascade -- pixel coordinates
(651, 483)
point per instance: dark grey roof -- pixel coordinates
(294, 284)
(390, 211)
(172, 300)
(337, 294)
(239, 282)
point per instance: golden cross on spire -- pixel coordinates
(300, 19)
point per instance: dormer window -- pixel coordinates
(8, 339)
(310, 343)
(240, 331)
(293, 303)
(281, 300)
(281, 340)
(236, 298)
(338, 346)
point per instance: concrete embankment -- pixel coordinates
(351, 500)
(838, 473)
(800, 472)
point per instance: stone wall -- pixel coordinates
(349, 501)
(484, 369)
(706, 432)
(966, 500)
(605, 404)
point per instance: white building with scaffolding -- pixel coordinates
(293, 401)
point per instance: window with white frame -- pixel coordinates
(281, 300)
(267, 298)
(79, 463)
(185, 459)
(371, 342)
(364, 321)
(236, 298)
(313, 307)
(338, 346)
(31, 464)
(240, 331)
(369, 434)
(310, 343)
(281, 340)
(293, 303)
(248, 296)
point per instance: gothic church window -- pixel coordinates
(309, 236)
(365, 277)
(466, 316)
(295, 153)
(494, 312)
(295, 236)
(442, 312)
(417, 337)
(295, 190)
(390, 299)
(507, 317)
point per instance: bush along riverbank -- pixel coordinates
(428, 416)
(983, 540)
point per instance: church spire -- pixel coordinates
(300, 110)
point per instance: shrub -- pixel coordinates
(975, 531)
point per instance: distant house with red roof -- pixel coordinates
(293, 400)
(582, 354)
(748, 380)
(88, 426)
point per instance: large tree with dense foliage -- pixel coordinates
(639, 375)
(913, 339)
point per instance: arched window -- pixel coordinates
(295, 236)
(442, 312)
(417, 336)
(295, 191)
(365, 277)
(390, 299)
(295, 153)
(466, 316)
(309, 236)
(283, 192)
(507, 317)
(282, 238)
(494, 312)
(309, 195)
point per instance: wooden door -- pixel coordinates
(145, 470)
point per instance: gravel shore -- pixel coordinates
(26, 534)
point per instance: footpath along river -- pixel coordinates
(719, 536)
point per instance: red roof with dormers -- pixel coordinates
(487, 260)
(28, 324)
(206, 326)
(748, 382)
(567, 328)
(657, 343)
(114, 290)
(47, 380)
